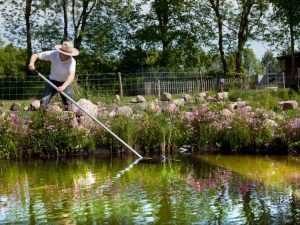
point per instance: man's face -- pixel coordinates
(63, 57)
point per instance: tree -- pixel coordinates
(269, 62)
(217, 6)
(81, 11)
(23, 23)
(167, 25)
(245, 22)
(288, 14)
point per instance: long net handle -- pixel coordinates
(91, 116)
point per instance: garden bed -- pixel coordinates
(204, 122)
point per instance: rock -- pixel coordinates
(241, 104)
(88, 123)
(187, 98)
(179, 101)
(200, 99)
(226, 112)
(232, 107)
(125, 111)
(27, 108)
(140, 99)
(86, 105)
(211, 99)
(15, 107)
(71, 116)
(133, 100)
(54, 109)
(35, 105)
(285, 105)
(222, 96)
(238, 105)
(170, 108)
(166, 96)
(117, 100)
(202, 95)
(155, 107)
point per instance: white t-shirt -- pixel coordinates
(60, 70)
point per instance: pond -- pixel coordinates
(206, 189)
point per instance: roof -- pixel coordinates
(297, 56)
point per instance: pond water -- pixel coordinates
(206, 189)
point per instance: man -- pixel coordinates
(63, 67)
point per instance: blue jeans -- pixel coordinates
(49, 92)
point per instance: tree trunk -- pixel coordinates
(161, 10)
(65, 11)
(239, 54)
(28, 31)
(216, 7)
(242, 36)
(221, 48)
(82, 21)
(292, 49)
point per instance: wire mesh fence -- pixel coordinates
(13, 88)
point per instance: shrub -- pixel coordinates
(52, 134)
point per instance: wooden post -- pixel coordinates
(298, 76)
(283, 79)
(158, 88)
(120, 84)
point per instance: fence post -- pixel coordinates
(298, 76)
(120, 84)
(283, 79)
(158, 88)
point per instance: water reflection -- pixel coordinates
(199, 190)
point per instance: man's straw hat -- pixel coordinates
(67, 48)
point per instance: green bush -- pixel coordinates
(52, 134)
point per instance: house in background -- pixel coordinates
(291, 79)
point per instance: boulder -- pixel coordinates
(155, 107)
(87, 105)
(140, 99)
(179, 101)
(226, 113)
(125, 111)
(54, 109)
(237, 105)
(15, 107)
(170, 107)
(222, 96)
(211, 99)
(202, 95)
(35, 105)
(200, 99)
(241, 104)
(117, 100)
(187, 98)
(71, 116)
(285, 105)
(166, 96)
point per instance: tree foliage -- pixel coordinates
(204, 35)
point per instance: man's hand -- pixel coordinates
(61, 88)
(31, 67)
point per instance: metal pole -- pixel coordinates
(90, 115)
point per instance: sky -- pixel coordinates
(259, 48)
